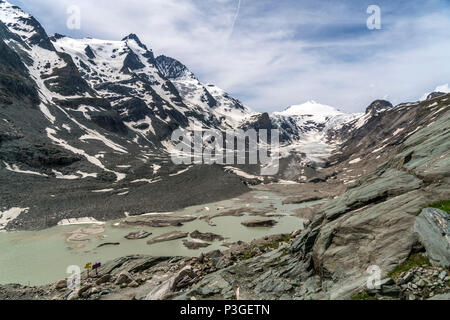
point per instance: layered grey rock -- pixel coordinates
(433, 228)
(168, 237)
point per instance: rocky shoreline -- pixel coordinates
(136, 276)
(258, 269)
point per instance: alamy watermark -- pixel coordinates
(374, 279)
(253, 147)
(74, 17)
(374, 20)
(74, 280)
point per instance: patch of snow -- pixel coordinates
(78, 221)
(179, 172)
(47, 113)
(310, 108)
(156, 168)
(417, 129)
(150, 181)
(94, 135)
(243, 174)
(398, 131)
(87, 175)
(15, 168)
(103, 190)
(288, 182)
(51, 134)
(379, 149)
(65, 126)
(9, 215)
(59, 175)
(362, 121)
(159, 213)
(355, 161)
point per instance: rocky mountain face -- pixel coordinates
(83, 115)
(90, 114)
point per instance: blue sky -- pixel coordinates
(281, 52)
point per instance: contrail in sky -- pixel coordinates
(238, 10)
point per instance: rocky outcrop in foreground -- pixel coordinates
(433, 229)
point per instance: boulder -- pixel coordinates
(183, 278)
(62, 284)
(259, 223)
(141, 234)
(166, 288)
(161, 292)
(104, 279)
(391, 291)
(168, 237)
(210, 237)
(123, 278)
(84, 289)
(380, 235)
(214, 254)
(433, 229)
(196, 244)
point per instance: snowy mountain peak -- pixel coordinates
(311, 121)
(134, 37)
(310, 108)
(11, 11)
(24, 25)
(173, 69)
(378, 106)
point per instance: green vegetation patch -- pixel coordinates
(276, 244)
(363, 296)
(416, 260)
(246, 256)
(441, 205)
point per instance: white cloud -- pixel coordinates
(444, 88)
(271, 61)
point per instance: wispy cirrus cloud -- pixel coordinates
(276, 53)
